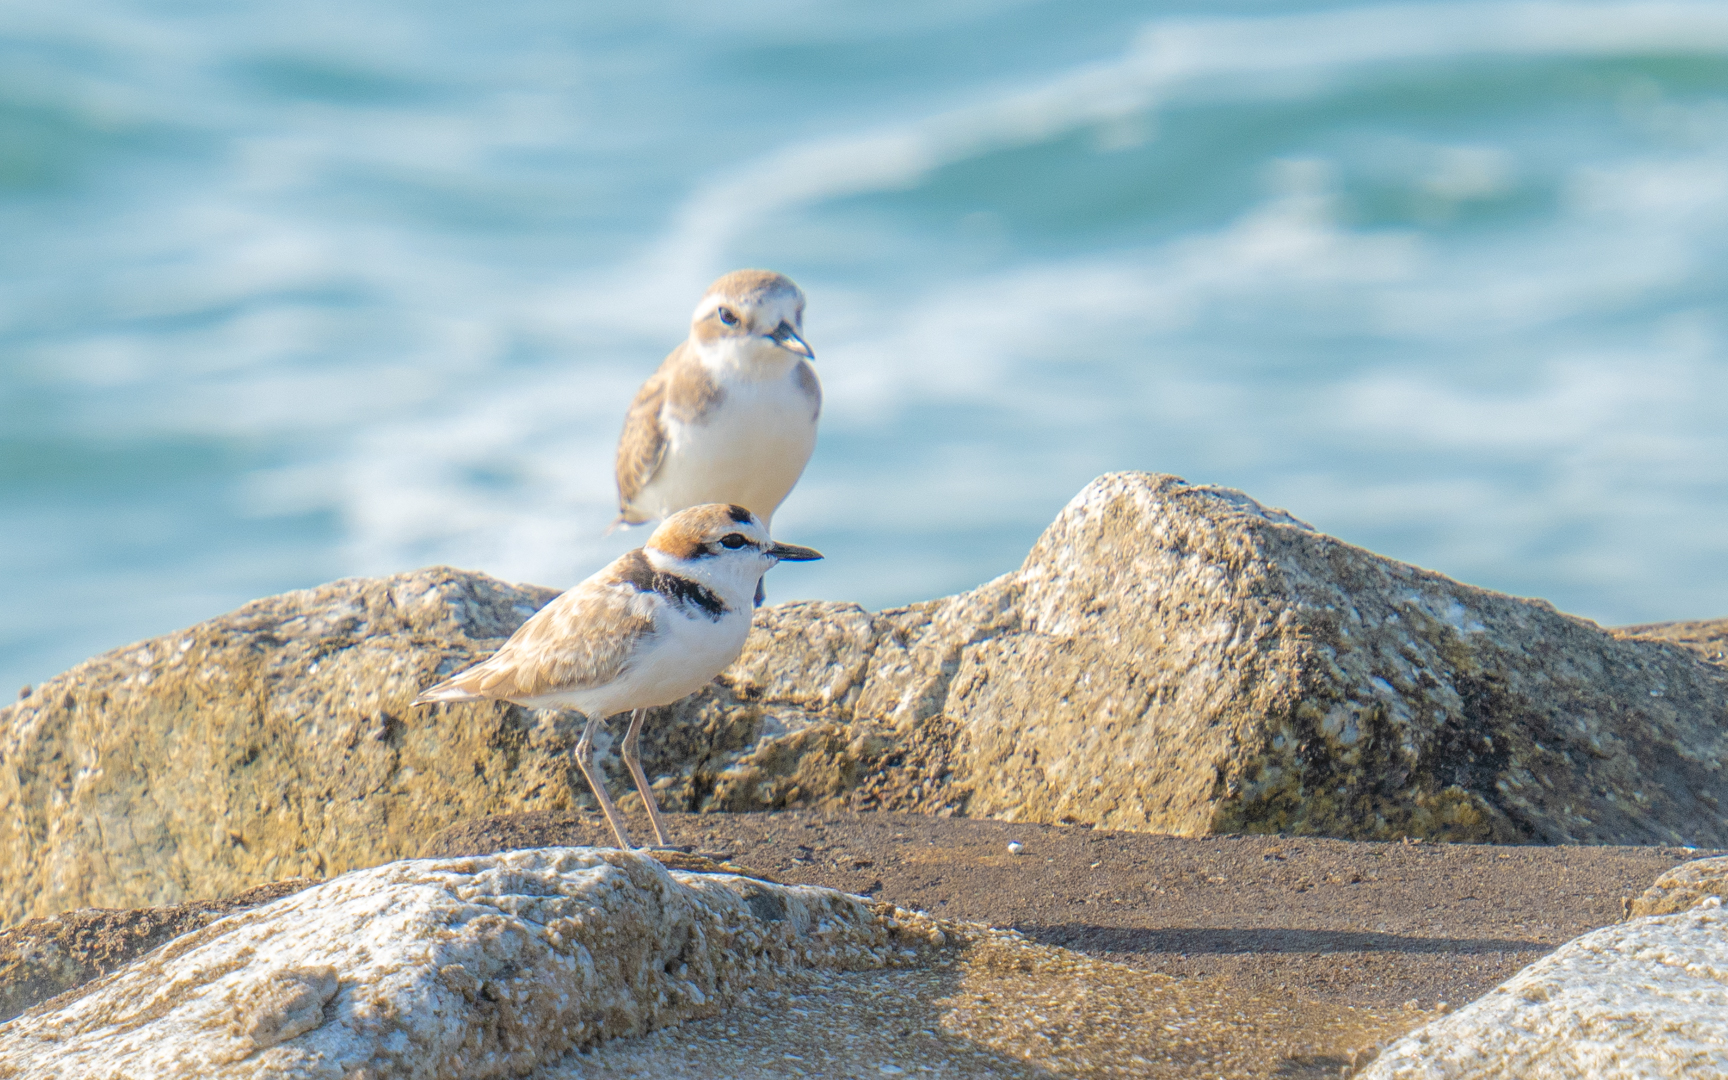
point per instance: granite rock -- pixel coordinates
(1683, 888)
(1178, 658)
(272, 742)
(42, 958)
(1170, 658)
(1646, 998)
(472, 968)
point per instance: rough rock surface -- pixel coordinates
(1706, 637)
(1644, 998)
(272, 742)
(1170, 657)
(480, 967)
(45, 957)
(1683, 888)
(1178, 658)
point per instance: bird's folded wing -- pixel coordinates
(642, 446)
(811, 386)
(582, 639)
(682, 390)
(691, 392)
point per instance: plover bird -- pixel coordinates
(655, 625)
(730, 417)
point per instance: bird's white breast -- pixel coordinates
(749, 449)
(683, 655)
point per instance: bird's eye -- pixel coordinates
(733, 541)
(728, 317)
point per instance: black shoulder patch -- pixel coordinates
(738, 513)
(680, 592)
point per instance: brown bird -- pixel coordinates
(658, 623)
(731, 414)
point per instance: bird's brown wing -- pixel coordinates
(691, 392)
(682, 389)
(642, 445)
(583, 638)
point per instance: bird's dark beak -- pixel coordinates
(794, 553)
(788, 339)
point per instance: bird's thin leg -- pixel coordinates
(597, 784)
(633, 759)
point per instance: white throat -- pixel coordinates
(732, 575)
(753, 357)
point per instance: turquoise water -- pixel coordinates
(291, 292)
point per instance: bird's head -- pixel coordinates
(723, 546)
(752, 316)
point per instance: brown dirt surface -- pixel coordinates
(43, 958)
(1282, 956)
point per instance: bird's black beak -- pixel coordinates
(794, 553)
(788, 339)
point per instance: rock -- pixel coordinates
(45, 957)
(272, 742)
(1177, 658)
(479, 967)
(1645, 998)
(1683, 888)
(1706, 637)
(1170, 658)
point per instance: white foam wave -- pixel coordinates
(1186, 58)
(1527, 407)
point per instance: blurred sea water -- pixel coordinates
(292, 292)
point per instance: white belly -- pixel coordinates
(684, 657)
(750, 450)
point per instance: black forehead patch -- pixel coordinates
(737, 513)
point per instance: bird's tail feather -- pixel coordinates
(445, 691)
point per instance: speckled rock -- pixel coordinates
(42, 958)
(269, 743)
(1178, 658)
(1648, 998)
(471, 968)
(1683, 888)
(1170, 657)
